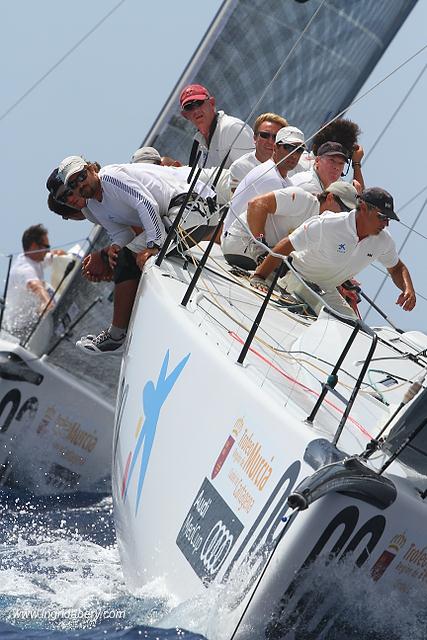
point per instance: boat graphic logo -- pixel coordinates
(153, 398)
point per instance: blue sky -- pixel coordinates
(103, 98)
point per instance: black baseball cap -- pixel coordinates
(54, 182)
(381, 200)
(332, 149)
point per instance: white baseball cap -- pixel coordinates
(290, 135)
(345, 192)
(69, 166)
(147, 154)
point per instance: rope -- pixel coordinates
(60, 61)
(414, 84)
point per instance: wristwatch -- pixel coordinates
(152, 245)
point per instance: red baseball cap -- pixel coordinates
(193, 92)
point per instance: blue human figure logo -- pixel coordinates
(153, 398)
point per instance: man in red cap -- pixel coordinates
(219, 135)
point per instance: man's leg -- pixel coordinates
(126, 278)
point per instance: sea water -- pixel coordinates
(60, 577)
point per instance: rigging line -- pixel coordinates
(408, 93)
(400, 249)
(279, 70)
(338, 115)
(60, 61)
(374, 266)
(412, 199)
(64, 244)
(281, 67)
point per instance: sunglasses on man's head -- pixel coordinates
(266, 135)
(80, 177)
(291, 147)
(194, 104)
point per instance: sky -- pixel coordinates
(102, 99)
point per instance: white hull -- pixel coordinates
(207, 451)
(55, 432)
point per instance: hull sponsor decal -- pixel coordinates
(388, 555)
(209, 532)
(153, 398)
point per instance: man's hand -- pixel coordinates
(258, 283)
(58, 252)
(358, 153)
(96, 269)
(407, 300)
(142, 256)
(113, 251)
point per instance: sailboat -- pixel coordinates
(254, 441)
(56, 414)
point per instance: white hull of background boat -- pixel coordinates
(55, 432)
(207, 452)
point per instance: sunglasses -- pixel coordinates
(80, 177)
(45, 246)
(382, 216)
(266, 135)
(291, 147)
(63, 196)
(194, 104)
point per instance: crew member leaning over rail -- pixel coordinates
(272, 216)
(332, 248)
(122, 196)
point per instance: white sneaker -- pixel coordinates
(101, 344)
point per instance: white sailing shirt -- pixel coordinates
(241, 167)
(328, 250)
(138, 195)
(231, 136)
(22, 305)
(309, 181)
(262, 179)
(293, 207)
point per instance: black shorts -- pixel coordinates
(126, 268)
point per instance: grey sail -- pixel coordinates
(248, 41)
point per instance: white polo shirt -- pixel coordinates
(328, 250)
(309, 181)
(241, 167)
(293, 207)
(138, 195)
(230, 135)
(262, 179)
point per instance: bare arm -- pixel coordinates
(258, 210)
(356, 160)
(37, 287)
(284, 247)
(402, 279)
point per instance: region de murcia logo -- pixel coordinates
(342, 248)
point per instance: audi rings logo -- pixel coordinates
(216, 547)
